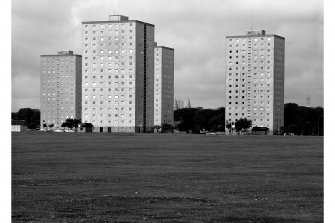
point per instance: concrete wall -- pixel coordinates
(60, 88)
(254, 80)
(164, 86)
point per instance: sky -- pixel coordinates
(196, 29)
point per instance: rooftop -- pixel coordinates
(116, 19)
(254, 33)
(62, 53)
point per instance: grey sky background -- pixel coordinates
(196, 29)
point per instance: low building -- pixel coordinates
(260, 130)
(19, 126)
(84, 127)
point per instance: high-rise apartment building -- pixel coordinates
(60, 89)
(164, 86)
(118, 75)
(255, 65)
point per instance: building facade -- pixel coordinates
(255, 65)
(60, 89)
(118, 75)
(164, 86)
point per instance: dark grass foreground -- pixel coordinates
(70, 177)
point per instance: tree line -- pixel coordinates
(30, 116)
(302, 120)
(298, 120)
(197, 119)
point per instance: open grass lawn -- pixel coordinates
(101, 177)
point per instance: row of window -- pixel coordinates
(124, 51)
(254, 102)
(104, 64)
(109, 122)
(261, 44)
(255, 85)
(116, 71)
(254, 68)
(109, 109)
(109, 83)
(107, 115)
(254, 57)
(109, 89)
(57, 71)
(243, 62)
(249, 91)
(253, 108)
(94, 58)
(260, 114)
(66, 99)
(116, 76)
(60, 59)
(254, 51)
(243, 40)
(109, 25)
(255, 74)
(109, 96)
(93, 45)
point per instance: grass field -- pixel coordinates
(98, 177)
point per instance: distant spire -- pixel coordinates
(176, 104)
(188, 103)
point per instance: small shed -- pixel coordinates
(84, 127)
(259, 130)
(19, 126)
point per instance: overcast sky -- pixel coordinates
(196, 29)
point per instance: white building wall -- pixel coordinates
(254, 79)
(113, 73)
(60, 78)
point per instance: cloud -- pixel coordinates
(196, 29)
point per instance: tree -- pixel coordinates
(31, 116)
(302, 120)
(51, 126)
(71, 123)
(199, 118)
(167, 128)
(242, 124)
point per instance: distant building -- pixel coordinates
(164, 86)
(255, 65)
(118, 74)
(308, 101)
(179, 104)
(84, 127)
(60, 90)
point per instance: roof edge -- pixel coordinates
(245, 36)
(56, 55)
(165, 47)
(98, 22)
